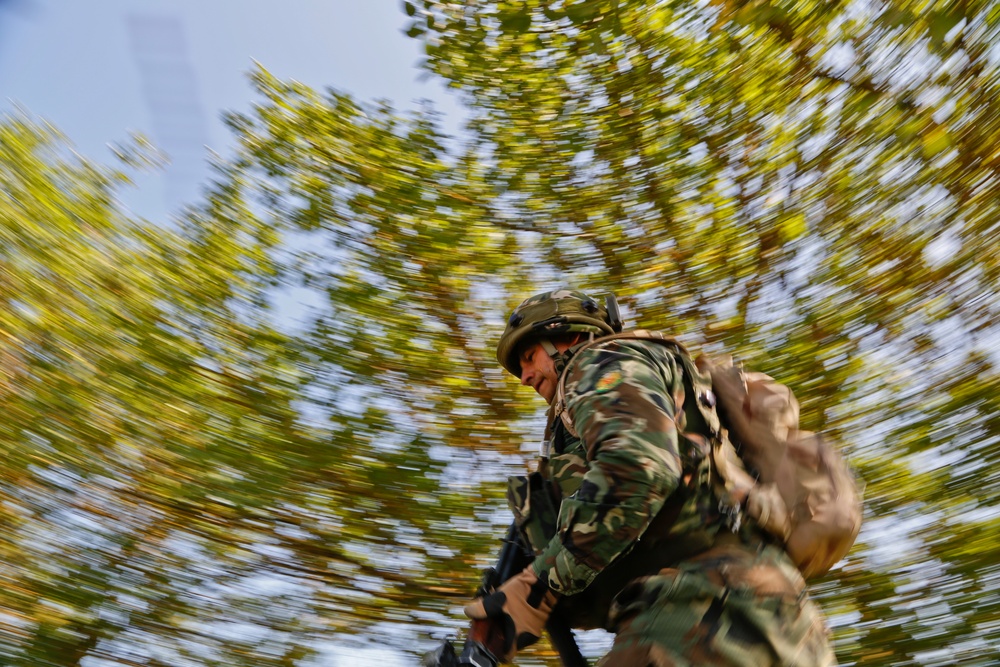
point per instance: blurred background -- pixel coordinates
(254, 262)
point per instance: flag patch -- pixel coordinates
(608, 382)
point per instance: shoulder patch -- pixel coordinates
(608, 382)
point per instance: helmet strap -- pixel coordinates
(560, 359)
(549, 348)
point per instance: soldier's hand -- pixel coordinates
(521, 606)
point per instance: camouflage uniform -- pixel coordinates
(638, 544)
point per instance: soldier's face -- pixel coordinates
(538, 371)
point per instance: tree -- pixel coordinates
(812, 185)
(189, 480)
(148, 418)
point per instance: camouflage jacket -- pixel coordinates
(633, 491)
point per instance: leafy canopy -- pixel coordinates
(197, 472)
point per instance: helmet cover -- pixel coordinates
(547, 315)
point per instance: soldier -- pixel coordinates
(626, 528)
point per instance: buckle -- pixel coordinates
(733, 515)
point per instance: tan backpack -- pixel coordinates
(805, 493)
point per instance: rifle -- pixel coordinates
(484, 640)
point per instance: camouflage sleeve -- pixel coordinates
(622, 407)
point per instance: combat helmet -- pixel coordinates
(550, 314)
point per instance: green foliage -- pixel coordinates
(191, 478)
(813, 186)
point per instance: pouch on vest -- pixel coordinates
(535, 513)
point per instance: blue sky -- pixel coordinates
(102, 69)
